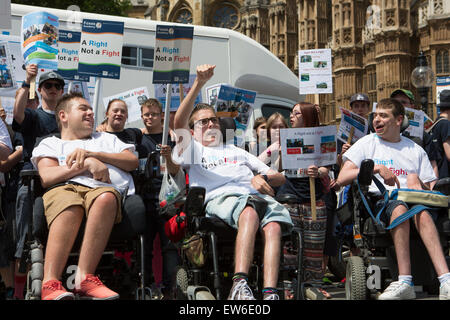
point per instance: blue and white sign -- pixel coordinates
(172, 59)
(101, 48)
(69, 48)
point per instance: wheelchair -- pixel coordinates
(375, 265)
(207, 253)
(123, 273)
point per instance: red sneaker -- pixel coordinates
(53, 290)
(92, 288)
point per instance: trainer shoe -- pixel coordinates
(271, 296)
(444, 291)
(241, 291)
(54, 290)
(92, 288)
(398, 290)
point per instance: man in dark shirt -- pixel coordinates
(32, 124)
(151, 113)
(440, 134)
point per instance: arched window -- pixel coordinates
(225, 15)
(442, 62)
(183, 16)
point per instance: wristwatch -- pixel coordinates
(265, 177)
(25, 85)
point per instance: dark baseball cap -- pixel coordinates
(51, 75)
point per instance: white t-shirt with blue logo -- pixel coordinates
(401, 158)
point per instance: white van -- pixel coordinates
(240, 61)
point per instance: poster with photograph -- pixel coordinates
(134, 99)
(302, 147)
(416, 122)
(315, 71)
(442, 83)
(7, 79)
(40, 39)
(15, 63)
(160, 93)
(351, 125)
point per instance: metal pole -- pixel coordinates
(98, 83)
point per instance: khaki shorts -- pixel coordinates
(58, 199)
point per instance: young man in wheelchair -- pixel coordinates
(401, 163)
(86, 173)
(226, 172)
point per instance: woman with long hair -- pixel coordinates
(271, 155)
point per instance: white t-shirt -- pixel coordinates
(401, 158)
(54, 147)
(225, 168)
(4, 135)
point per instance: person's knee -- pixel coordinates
(248, 216)
(272, 230)
(107, 199)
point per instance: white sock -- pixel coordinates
(445, 277)
(406, 279)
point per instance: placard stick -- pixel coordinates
(312, 181)
(181, 92)
(32, 90)
(162, 160)
(350, 137)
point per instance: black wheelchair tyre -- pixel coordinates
(355, 282)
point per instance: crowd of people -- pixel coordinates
(86, 172)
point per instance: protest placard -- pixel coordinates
(134, 99)
(16, 62)
(303, 147)
(315, 71)
(101, 48)
(161, 92)
(416, 122)
(172, 55)
(351, 122)
(40, 39)
(232, 102)
(69, 46)
(7, 80)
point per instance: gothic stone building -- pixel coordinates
(375, 44)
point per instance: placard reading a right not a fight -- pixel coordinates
(303, 147)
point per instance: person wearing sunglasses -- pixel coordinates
(226, 172)
(32, 124)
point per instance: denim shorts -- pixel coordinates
(392, 204)
(229, 206)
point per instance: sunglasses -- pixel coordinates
(49, 85)
(204, 122)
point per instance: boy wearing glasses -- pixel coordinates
(226, 172)
(32, 124)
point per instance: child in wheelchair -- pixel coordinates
(226, 172)
(400, 163)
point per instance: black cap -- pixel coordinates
(359, 97)
(444, 99)
(51, 75)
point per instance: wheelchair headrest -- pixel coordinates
(404, 125)
(227, 123)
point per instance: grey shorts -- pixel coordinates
(229, 207)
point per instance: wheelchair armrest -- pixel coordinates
(287, 198)
(29, 173)
(366, 172)
(443, 186)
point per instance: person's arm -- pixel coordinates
(124, 160)
(22, 96)
(446, 145)
(166, 152)
(52, 173)
(13, 159)
(181, 119)
(274, 179)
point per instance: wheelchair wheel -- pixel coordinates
(181, 284)
(355, 283)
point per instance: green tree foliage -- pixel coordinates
(110, 7)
